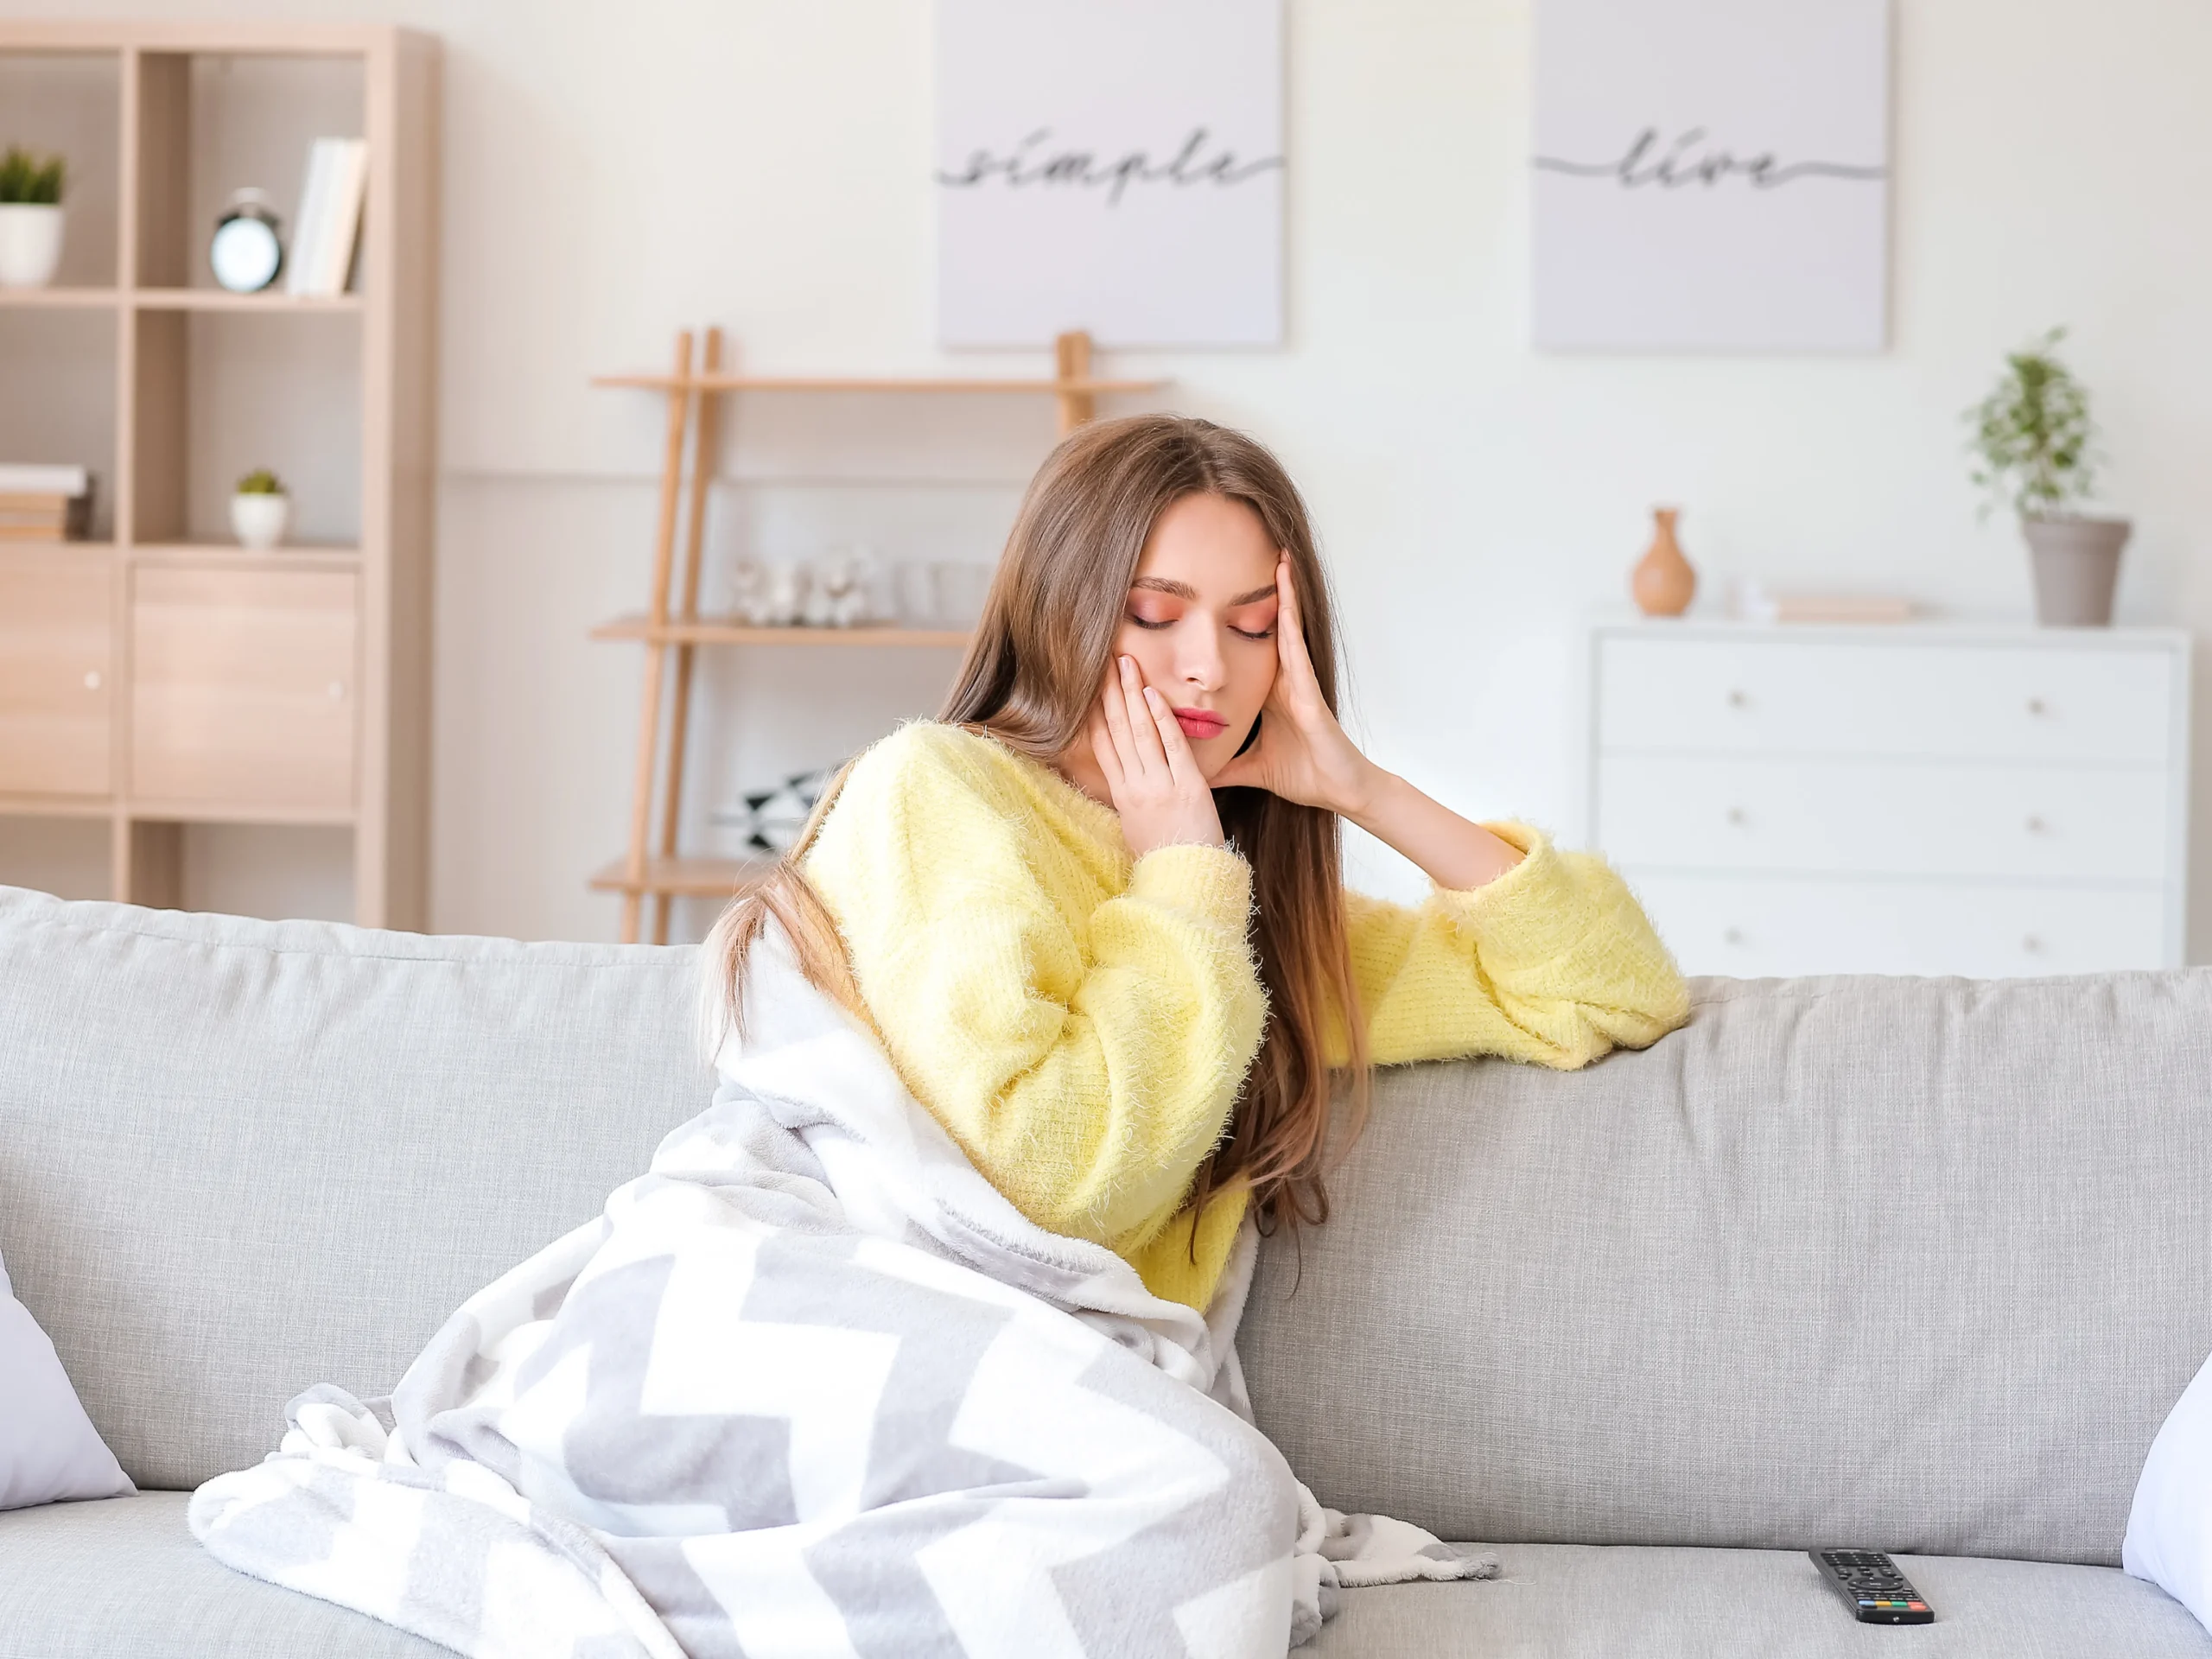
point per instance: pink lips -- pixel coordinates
(1199, 724)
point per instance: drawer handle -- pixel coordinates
(1739, 700)
(1737, 816)
(2032, 945)
(1732, 936)
(91, 679)
(338, 690)
(2038, 707)
(2036, 826)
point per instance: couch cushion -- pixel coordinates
(1570, 1601)
(238, 1158)
(1920, 1263)
(122, 1575)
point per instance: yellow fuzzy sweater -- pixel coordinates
(1081, 1022)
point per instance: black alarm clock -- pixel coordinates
(246, 254)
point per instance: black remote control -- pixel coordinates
(1872, 1586)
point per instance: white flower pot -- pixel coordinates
(30, 243)
(261, 520)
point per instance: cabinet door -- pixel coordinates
(1887, 818)
(53, 673)
(1749, 926)
(242, 693)
(2058, 702)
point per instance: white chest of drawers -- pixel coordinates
(1919, 799)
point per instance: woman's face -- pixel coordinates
(1200, 621)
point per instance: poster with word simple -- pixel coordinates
(1110, 165)
(1712, 174)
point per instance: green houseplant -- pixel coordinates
(261, 511)
(2034, 446)
(31, 218)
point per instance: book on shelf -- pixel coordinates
(329, 219)
(45, 504)
(1755, 603)
(45, 480)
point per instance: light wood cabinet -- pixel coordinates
(57, 672)
(244, 694)
(160, 677)
(1921, 800)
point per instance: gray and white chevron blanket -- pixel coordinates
(811, 1386)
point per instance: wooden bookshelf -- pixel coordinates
(163, 675)
(89, 299)
(218, 299)
(672, 630)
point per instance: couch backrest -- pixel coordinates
(1893, 1263)
(1913, 1264)
(238, 1157)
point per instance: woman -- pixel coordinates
(1095, 911)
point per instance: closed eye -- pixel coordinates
(1246, 634)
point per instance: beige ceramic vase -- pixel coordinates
(1663, 581)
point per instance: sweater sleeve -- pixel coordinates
(1553, 962)
(1086, 1064)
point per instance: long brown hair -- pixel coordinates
(1032, 670)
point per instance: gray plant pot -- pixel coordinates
(2076, 563)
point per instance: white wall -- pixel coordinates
(762, 165)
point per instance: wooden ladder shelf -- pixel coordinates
(672, 630)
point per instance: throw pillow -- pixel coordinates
(49, 1448)
(2169, 1527)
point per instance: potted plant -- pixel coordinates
(260, 510)
(2035, 444)
(31, 218)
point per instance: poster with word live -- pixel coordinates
(1116, 167)
(1712, 174)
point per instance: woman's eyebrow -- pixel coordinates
(1183, 590)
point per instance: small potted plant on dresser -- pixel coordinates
(260, 510)
(31, 218)
(2034, 442)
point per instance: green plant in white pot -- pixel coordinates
(2035, 445)
(260, 510)
(31, 218)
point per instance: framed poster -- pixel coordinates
(1712, 174)
(1110, 165)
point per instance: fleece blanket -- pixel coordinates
(810, 1387)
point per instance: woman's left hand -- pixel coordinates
(1302, 753)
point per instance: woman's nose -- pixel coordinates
(1201, 661)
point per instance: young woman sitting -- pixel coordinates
(1094, 911)
(825, 1380)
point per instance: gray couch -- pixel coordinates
(1914, 1265)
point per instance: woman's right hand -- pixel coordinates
(1163, 798)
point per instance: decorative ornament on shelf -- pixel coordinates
(1663, 581)
(789, 584)
(839, 592)
(2035, 448)
(748, 593)
(768, 821)
(31, 218)
(247, 251)
(260, 510)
